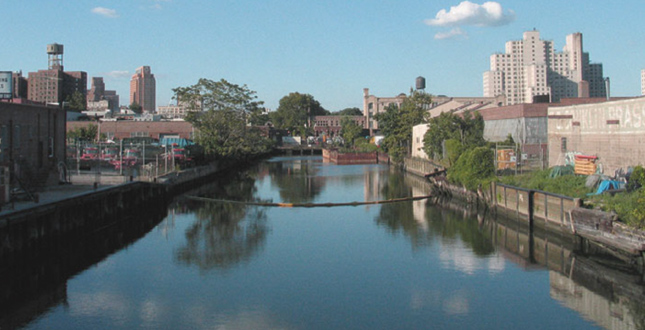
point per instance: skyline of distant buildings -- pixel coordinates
(530, 71)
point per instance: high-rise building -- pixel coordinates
(530, 70)
(55, 85)
(142, 89)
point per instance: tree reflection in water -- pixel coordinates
(436, 221)
(225, 234)
(297, 180)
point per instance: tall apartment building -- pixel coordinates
(531, 70)
(143, 90)
(55, 85)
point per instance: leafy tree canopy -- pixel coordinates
(396, 123)
(467, 129)
(350, 130)
(88, 133)
(75, 102)
(136, 107)
(294, 112)
(350, 112)
(222, 126)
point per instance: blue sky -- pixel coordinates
(330, 49)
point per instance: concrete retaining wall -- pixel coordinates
(74, 217)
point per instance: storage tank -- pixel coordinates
(421, 83)
(55, 49)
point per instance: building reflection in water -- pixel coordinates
(600, 288)
(34, 282)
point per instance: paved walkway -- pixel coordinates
(48, 195)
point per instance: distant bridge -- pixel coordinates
(302, 150)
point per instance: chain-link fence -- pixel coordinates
(519, 159)
(140, 160)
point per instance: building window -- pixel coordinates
(563, 144)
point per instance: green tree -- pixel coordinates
(396, 123)
(467, 129)
(75, 102)
(136, 108)
(259, 117)
(295, 112)
(474, 168)
(350, 130)
(350, 112)
(222, 126)
(84, 133)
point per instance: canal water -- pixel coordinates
(406, 265)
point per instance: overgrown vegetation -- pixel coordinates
(566, 185)
(629, 205)
(473, 169)
(457, 141)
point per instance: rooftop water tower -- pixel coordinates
(55, 56)
(421, 83)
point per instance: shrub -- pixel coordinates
(629, 207)
(474, 168)
(454, 149)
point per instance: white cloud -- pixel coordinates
(118, 74)
(111, 13)
(468, 13)
(157, 4)
(454, 33)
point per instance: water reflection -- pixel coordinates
(297, 178)
(600, 288)
(224, 234)
(34, 282)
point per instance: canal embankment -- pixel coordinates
(592, 230)
(90, 204)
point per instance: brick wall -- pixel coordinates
(124, 129)
(613, 131)
(32, 141)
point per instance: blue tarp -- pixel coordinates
(607, 185)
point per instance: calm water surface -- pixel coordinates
(409, 265)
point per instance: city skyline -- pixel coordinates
(331, 50)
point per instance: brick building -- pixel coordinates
(55, 85)
(613, 131)
(120, 129)
(331, 125)
(32, 144)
